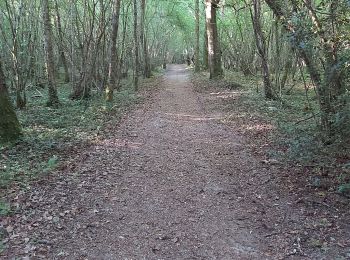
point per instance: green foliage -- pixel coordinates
(50, 133)
(5, 209)
(297, 129)
(344, 188)
(52, 163)
(342, 117)
(344, 180)
(7, 174)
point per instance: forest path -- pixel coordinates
(171, 193)
(164, 185)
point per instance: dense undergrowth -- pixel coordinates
(285, 130)
(51, 134)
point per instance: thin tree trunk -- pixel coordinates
(113, 63)
(214, 52)
(121, 63)
(14, 21)
(86, 41)
(147, 67)
(50, 64)
(205, 49)
(321, 86)
(196, 55)
(287, 69)
(136, 50)
(262, 49)
(9, 126)
(61, 44)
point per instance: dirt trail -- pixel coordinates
(171, 191)
(165, 185)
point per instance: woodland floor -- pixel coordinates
(172, 181)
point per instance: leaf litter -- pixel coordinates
(172, 181)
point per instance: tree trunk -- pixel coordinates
(214, 52)
(322, 87)
(205, 49)
(287, 69)
(262, 49)
(85, 35)
(9, 126)
(50, 64)
(123, 67)
(113, 63)
(147, 67)
(136, 50)
(14, 21)
(196, 55)
(61, 44)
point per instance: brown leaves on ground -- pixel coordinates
(177, 180)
